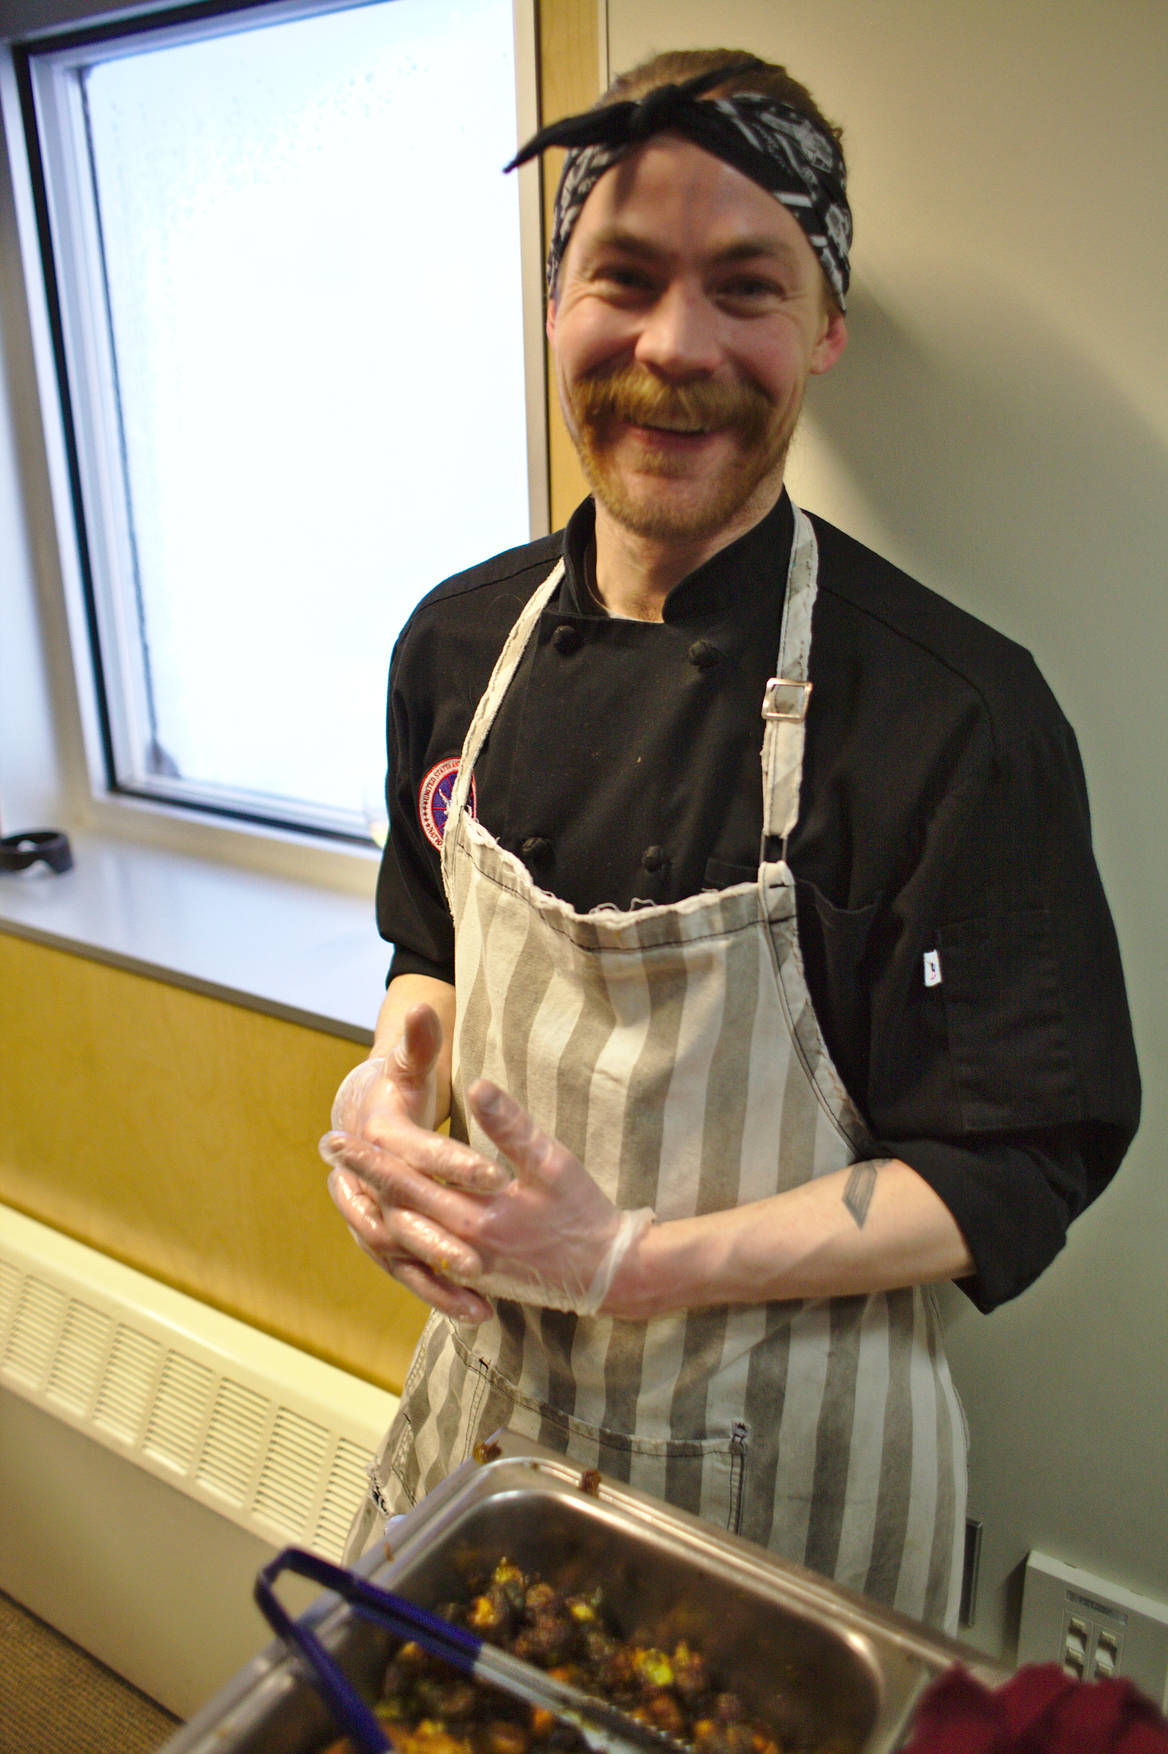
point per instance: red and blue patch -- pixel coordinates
(434, 795)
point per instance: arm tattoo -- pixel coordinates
(861, 1185)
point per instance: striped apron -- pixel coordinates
(674, 1049)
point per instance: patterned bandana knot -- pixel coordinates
(657, 111)
(783, 150)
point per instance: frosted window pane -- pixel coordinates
(313, 276)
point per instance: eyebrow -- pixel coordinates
(748, 249)
(631, 243)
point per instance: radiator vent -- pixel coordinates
(234, 1438)
(124, 1386)
(77, 1365)
(275, 1440)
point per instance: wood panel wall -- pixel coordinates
(569, 82)
(177, 1133)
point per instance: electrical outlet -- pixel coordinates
(1090, 1639)
(1093, 1628)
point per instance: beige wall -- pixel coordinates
(999, 426)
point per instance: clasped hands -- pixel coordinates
(458, 1228)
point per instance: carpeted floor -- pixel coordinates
(56, 1699)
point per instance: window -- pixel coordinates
(286, 268)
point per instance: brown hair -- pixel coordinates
(674, 66)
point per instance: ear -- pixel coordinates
(550, 324)
(830, 344)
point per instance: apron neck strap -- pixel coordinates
(505, 667)
(784, 707)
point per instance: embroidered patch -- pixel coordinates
(434, 799)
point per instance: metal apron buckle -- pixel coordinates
(787, 700)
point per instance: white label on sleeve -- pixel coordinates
(932, 968)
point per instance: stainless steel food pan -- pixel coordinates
(823, 1667)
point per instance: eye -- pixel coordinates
(748, 292)
(622, 279)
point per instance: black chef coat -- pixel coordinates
(943, 830)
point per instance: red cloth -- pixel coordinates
(1040, 1710)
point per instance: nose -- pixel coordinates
(679, 334)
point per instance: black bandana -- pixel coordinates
(778, 147)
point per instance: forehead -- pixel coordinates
(674, 198)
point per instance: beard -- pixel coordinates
(639, 497)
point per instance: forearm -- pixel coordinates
(870, 1227)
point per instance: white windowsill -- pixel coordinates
(293, 949)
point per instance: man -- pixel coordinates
(738, 1062)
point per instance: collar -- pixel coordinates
(739, 577)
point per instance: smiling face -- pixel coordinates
(689, 312)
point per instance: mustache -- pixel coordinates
(637, 398)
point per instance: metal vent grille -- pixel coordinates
(29, 1348)
(274, 1440)
(10, 1283)
(297, 1454)
(76, 1367)
(348, 1482)
(179, 1412)
(234, 1444)
(127, 1384)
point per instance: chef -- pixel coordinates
(746, 924)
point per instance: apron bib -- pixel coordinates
(675, 1050)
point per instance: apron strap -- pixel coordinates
(505, 667)
(784, 707)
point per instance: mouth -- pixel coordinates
(670, 433)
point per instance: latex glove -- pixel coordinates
(400, 1086)
(549, 1236)
(383, 1115)
(552, 1237)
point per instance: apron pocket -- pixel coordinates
(702, 1475)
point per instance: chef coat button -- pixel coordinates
(535, 849)
(702, 655)
(566, 640)
(654, 859)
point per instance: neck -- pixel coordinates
(635, 573)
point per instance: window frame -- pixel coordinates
(82, 782)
